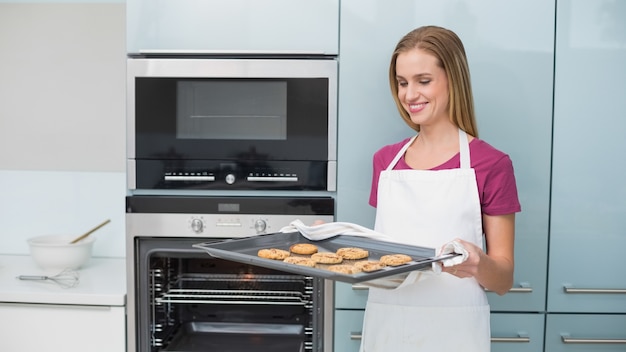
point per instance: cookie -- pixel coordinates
(395, 259)
(344, 269)
(273, 253)
(300, 261)
(303, 248)
(369, 265)
(352, 253)
(326, 258)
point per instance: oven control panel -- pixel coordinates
(214, 226)
(151, 174)
(229, 217)
(211, 225)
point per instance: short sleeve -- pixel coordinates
(500, 189)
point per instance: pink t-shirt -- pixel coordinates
(494, 174)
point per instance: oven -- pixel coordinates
(232, 123)
(181, 299)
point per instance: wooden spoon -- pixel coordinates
(89, 232)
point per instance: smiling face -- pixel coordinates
(422, 87)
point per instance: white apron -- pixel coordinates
(437, 312)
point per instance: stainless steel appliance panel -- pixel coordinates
(240, 123)
(180, 299)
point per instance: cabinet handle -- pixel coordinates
(511, 339)
(568, 289)
(524, 287)
(356, 335)
(357, 287)
(235, 52)
(572, 340)
(359, 336)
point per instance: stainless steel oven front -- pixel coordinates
(217, 123)
(181, 299)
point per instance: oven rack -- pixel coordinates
(237, 289)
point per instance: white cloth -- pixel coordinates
(453, 247)
(331, 229)
(429, 312)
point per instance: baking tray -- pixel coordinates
(244, 250)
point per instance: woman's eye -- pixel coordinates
(402, 84)
(424, 82)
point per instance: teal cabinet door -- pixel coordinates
(585, 333)
(511, 332)
(233, 26)
(350, 296)
(348, 324)
(510, 46)
(588, 221)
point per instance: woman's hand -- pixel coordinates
(493, 268)
(469, 267)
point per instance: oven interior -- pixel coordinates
(189, 301)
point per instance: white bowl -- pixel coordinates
(54, 252)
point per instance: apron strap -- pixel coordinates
(400, 154)
(464, 150)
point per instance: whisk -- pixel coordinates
(67, 278)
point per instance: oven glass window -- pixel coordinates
(231, 109)
(218, 118)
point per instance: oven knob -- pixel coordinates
(260, 225)
(230, 179)
(197, 225)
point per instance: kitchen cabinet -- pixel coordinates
(510, 332)
(350, 296)
(588, 226)
(42, 316)
(516, 332)
(500, 65)
(348, 324)
(233, 26)
(503, 47)
(62, 328)
(585, 332)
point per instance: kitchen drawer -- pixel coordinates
(585, 332)
(348, 326)
(509, 332)
(350, 296)
(516, 332)
(67, 328)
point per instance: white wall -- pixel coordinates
(62, 122)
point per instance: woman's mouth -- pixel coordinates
(415, 108)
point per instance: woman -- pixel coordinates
(442, 185)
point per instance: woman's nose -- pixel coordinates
(412, 91)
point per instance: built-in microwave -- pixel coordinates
(218, 123)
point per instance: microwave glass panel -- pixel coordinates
(232, 109)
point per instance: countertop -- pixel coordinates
(102, 282)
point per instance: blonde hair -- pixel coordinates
(446, 46)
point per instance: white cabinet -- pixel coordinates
(62, 328)
(42, 316)
(233, 26)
